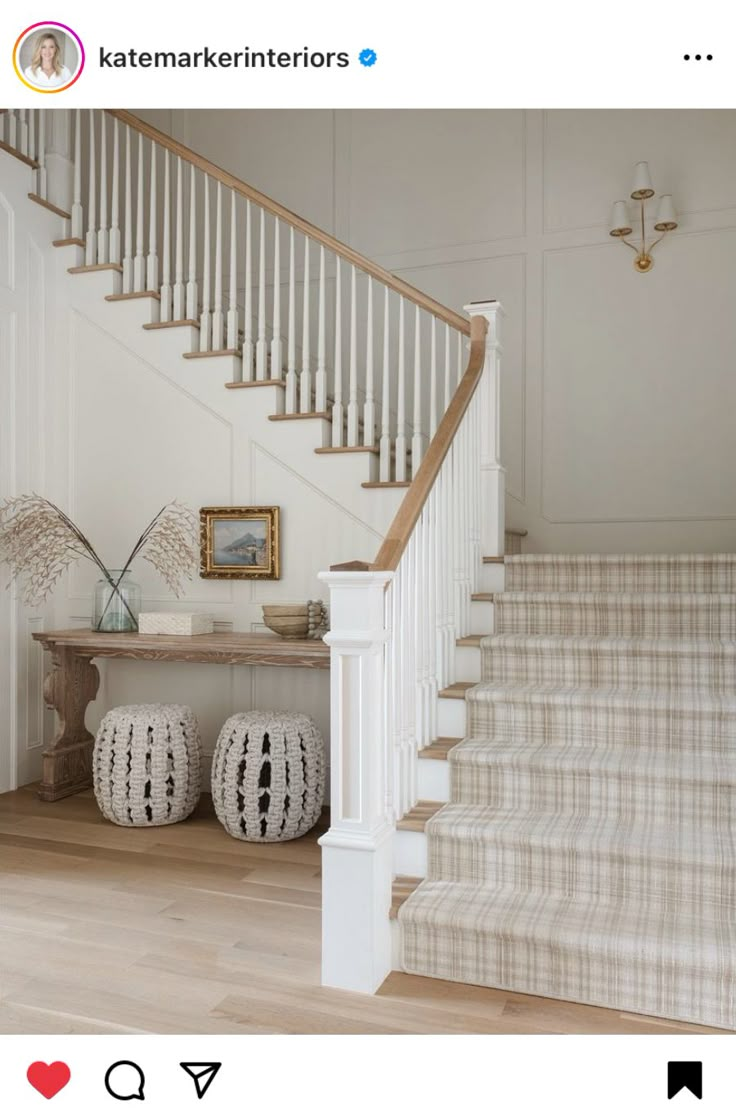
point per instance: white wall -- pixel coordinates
(618, 387)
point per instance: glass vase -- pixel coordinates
(117, 603)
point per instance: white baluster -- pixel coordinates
(13, 129)
(90, 257)
(166, 292)
(218, 318)
(115, 219)
(291, 399)
(77, 211)
(447, 367)
(460, 366)
(432, 378)
(152, 279)
(103, 232)
(139, 262)
(192, 290)
(41, 178)
(128, 281)
(353, 410)
(205, 317)
(262, 344)
(232, 312)
(384, 462)
(400, 462)
(369, 407)
(179, 289)
(305, 378)
(320, 383)
(32, 134)
(22, 132)
(417, 442)
(277, 353)
(248, 345)
(338, 412)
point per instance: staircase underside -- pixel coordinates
(588, 850)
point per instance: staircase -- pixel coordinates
(587, 850)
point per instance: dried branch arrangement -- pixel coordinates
(39, 542)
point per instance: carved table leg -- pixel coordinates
(69, 688)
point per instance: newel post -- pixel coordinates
(493, 475)
(357, 850)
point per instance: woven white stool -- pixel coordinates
(268, 775)
(146, 764)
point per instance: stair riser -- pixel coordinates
(467, 664)
(662, 729)
(707, 578)
(607, 617)
(552, 869)
(709, 672)
(481, 618)
(583, 793)
(636, 984)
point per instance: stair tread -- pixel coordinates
(541, 641)
(439, 748)
(457, 690)
(659, 560)
(577, 597)
(645, 932)
(690, 764)
(624, 697)
(688, 841)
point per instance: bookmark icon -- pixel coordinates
(202, 1074)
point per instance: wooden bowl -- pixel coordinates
(289, 621)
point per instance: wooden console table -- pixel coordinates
(73, 682)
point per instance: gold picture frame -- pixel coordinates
(239, 542)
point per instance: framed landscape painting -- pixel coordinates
(240, 542)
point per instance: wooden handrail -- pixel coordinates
(403, 523)
(403, 288)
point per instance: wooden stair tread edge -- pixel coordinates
(457, 690)
(51, 207)
(345, 450)
(93, 269)
(21, 157)
(439, 748)
(401, 888)
(233, 352)
(72, 242)
(160, 324)
(469, 641)
(133, 296)
(300, 416)
(482, 597)
(385, 485)
(494, 559)
(254, 385)
(516, 532)
(418, 815)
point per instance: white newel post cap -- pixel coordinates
(494, 314)
(356, 606)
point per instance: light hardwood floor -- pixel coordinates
(184, 930)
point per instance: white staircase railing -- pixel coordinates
(294, 303)
(394, 627)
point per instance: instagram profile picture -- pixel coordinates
(48, 57)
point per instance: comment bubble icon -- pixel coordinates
(124, 1080)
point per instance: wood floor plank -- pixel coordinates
(183, 929)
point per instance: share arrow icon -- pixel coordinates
(202, 1074)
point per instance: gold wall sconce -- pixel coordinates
(621, 225)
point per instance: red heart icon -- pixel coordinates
(48, 1079)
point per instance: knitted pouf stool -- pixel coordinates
(146, 764)
(268, 775)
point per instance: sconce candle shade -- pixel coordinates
(620, 219)
(642, 182)
(666, 215)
